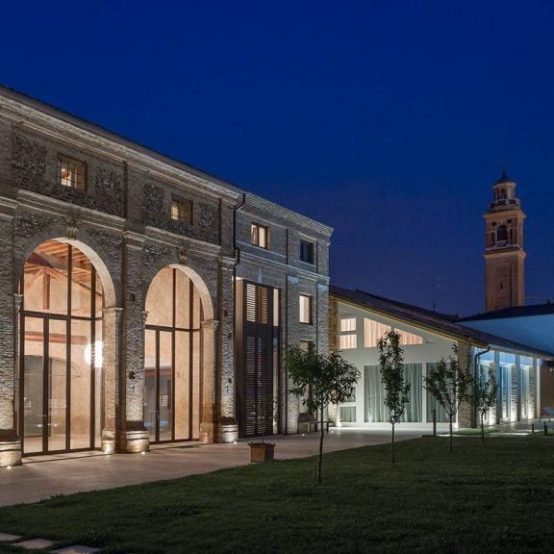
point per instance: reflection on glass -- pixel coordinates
(182, 387)
(57, 385)
(173, 357)
(159, 300)
(165, 386)
(80, 383)
(33, 407)
(62, 290)
(150, 383)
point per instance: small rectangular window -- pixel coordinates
(307, 251)
(348, 342)
(72, 173)
(259, 235)
(347, 324)
(181, 210)
(305, 306)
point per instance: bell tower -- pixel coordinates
(504, 254)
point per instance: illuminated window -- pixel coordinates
(72, 173)
(307, 251)
(181, 210)
(348, 414)
(373, 331)
(259, 235)
(305, 306)
(348, 342)
(347, 324)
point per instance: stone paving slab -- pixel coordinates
(39, 480)
(5, 537)
(76, 549)
(34, 544)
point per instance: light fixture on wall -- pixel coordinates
(98, 358)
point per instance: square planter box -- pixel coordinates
(261, 452)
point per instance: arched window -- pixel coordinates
(61, 349)
(501, 234)
(173, 357)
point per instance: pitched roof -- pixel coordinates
(514, 311)
(433, 321)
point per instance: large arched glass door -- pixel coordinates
(61, 354)
(173, 358)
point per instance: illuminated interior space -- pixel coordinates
(358, 321)
(173, 357)
(61, 351)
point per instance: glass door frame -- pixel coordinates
(173, 329)
(68, 318)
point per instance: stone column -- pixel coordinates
(227, 427)
(10, 443)
(131, 434)
(466, 414)
(209, 367)
(110, 367)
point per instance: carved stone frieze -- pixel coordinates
(110, 243)
(153, 253)
(29, 159)
(108, 188)
(153, 204)
(207, 217)
(29, 224)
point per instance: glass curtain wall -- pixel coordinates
(508, 386)
(487, 365)
(433, 404)
(61, 351)
(527, 387)
(374, 395)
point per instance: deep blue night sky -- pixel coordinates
(385, 120)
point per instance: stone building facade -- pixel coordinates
(104, 243)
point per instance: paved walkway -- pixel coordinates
(40, 478)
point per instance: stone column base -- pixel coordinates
(132, 441)
(227, 433)
(207, 433)
(10, 453)
(108, 441)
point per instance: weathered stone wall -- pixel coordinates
(280, 267)
(122, 222)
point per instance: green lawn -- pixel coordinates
(496, 498)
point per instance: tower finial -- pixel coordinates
(503, 164)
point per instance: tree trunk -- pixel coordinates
(482, 427)
(321, 435)
(392, 447)
(450, 425)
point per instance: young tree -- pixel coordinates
(391, 366)
(329, 379)
(483, 395)
(449, 383)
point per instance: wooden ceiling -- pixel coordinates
(52, 257)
